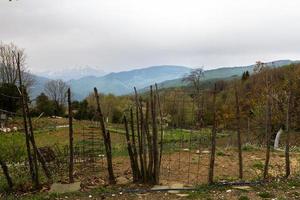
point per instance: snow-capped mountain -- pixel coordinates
(72, 73)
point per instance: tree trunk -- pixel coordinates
(238, 130)
(106, 139)
(213, 140)
(71, 149)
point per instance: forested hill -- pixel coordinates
(225, 73)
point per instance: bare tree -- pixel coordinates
(57, 91)
(194, 79)
(9, 55)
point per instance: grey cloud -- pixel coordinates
(122, 34)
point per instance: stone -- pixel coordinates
(160, 187)
(173, 191)
(176, 186)
(182, 195)
(245, 188)
(205, 152)
(122, 180)
(64, 188)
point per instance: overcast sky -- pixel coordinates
(115, 35)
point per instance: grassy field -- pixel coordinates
(182, 160)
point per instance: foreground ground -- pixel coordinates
(277, 189)
(185, 160)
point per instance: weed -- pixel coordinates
(249, 147)
(258, 165)
(244, 198)
(221, 153)
(265, 195)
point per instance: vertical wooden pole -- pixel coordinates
(106, 139)
(238, 130)
(32, 140)
(154, 135)
(213, 140)
(149, 145)
(27, 137)
(138, 128)
(161, 126)
(268, 134)
(130, 152)
(143, 140)
(287, 141)
(71, 149)
(135, 154)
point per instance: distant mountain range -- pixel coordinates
(122, 83)
(72, 73)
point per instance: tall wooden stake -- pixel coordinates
(161, 125)
(213, 140)
(106, 139)
(31, 137)
(287, 141)
(130, 152)
(139, 132)
(155, 136)
(37, 156)
(27, 136)
(268, 135)
(135, 154)
(71, 149)
(238, 130)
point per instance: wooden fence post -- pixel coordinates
(139, 134)
(37, 156)
(135, 154)
(213, 140)
(27, 136)
(287, 141)
(154, 136)
(71, 149)
(130, 152)
(238, 130)
(268, 135)
(106, 139)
